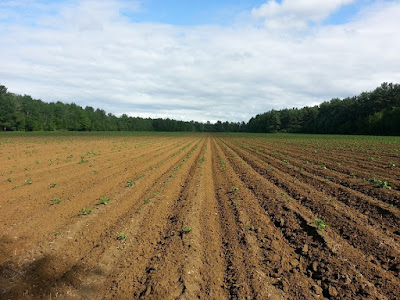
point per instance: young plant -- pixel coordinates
(321, 225)
(121, 236)
(84, 211)
(187, 229)
(104, 200)
(55, 201)
(53, 185)
(28, 181)
(129, 183)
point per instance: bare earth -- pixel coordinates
(199, 217)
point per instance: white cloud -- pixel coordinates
(201, 73)
(296, 13)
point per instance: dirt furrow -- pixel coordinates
(298, 226)
(383, 214)
(83, 235)
(341, 217)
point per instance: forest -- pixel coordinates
(370, 113)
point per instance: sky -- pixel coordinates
(197, 60)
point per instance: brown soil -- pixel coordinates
(198, 217)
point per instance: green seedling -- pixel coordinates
(321, 225)
(380, 183)
(82, 160)
(121, 236)
(392, 165)
(53, 185)
(55, 201)
(9, 179)
(104, 200)
(187, 229)
(129, 183)
(235, 188)
(147, 201)
(27, 181)
(85, 211)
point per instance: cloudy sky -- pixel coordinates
(199, 59)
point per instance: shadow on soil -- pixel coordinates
(32, 280)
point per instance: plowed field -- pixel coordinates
(199, 216)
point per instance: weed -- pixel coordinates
(95, 172)
(323, 167)
(187, 229)
(9, 179)
(392, 165)
(121, 236)
(57, 233)
(53, 185)
(55, 201)
(235, 188)
(235, 203)
(28, 181)
(84, 211)
(321, 225)
(104, 200)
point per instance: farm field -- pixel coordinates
(208, 216)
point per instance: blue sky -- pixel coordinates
(197, 60)
(195, 12)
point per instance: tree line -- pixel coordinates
(373, 113)
(376, 112)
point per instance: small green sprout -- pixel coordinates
(187, 229)
(53, 185)
(28, 181)
(104, 200)
(129, 183)
(321, 225)
(121, 236)
(85, 211)
(55, 201)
